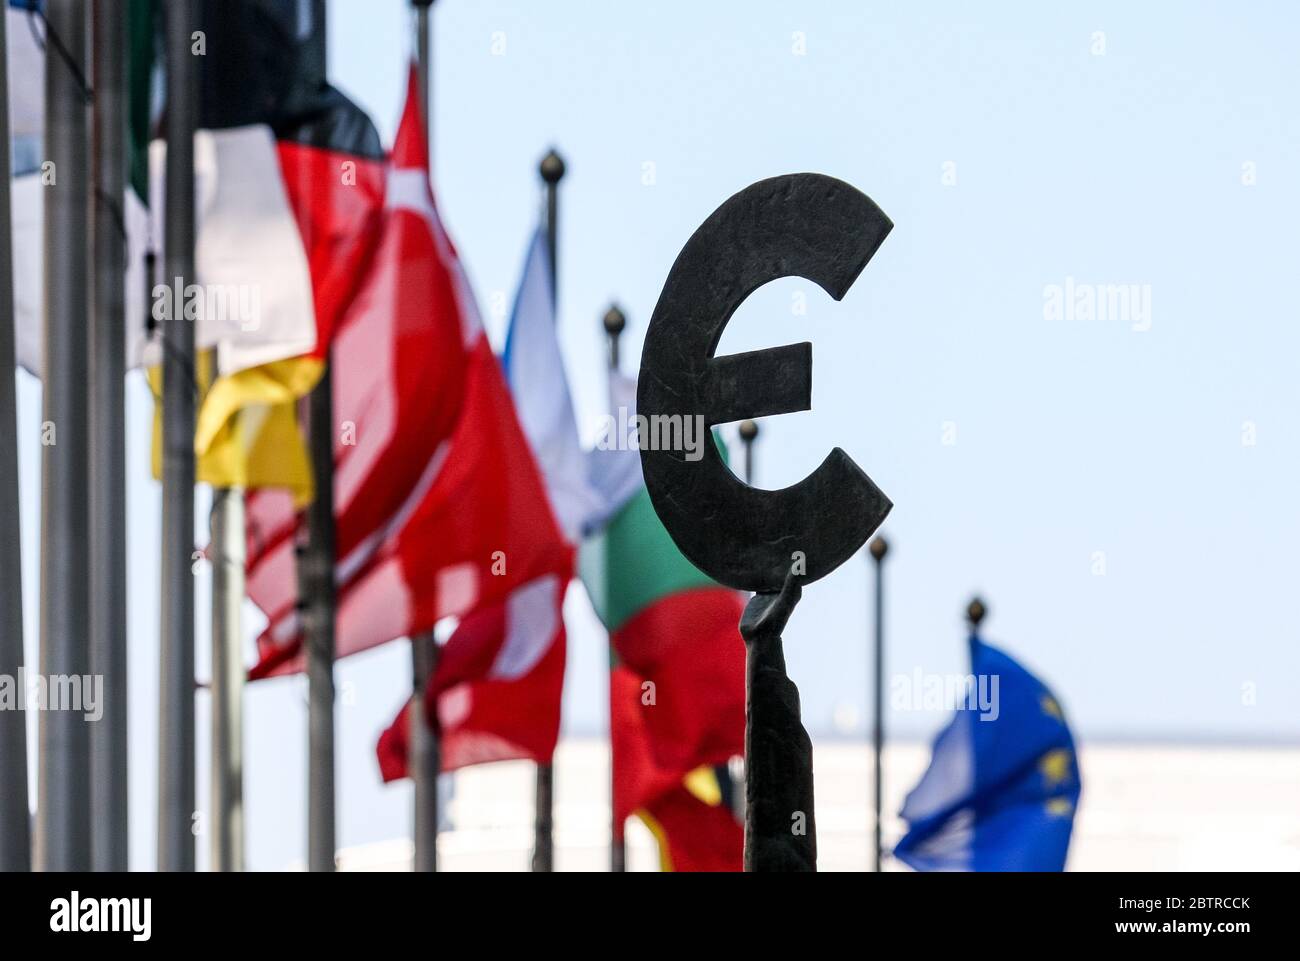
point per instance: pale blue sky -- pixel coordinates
(1072, 437)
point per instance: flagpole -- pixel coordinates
(425, 754)
(318, 606)
(423, 52)
(749, 434)
(551, 170)
(614, 322)
(227, 555)
(15, 826)
(879, 548)
(63, 802)
(108, 738)
(176, 684)
(316, 579)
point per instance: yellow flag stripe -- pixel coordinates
(247, 433)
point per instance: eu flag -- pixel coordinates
(1003, 782)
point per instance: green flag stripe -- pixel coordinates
(139, 65)
(647, 565)
(635, 563)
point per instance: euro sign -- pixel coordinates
(800, 225)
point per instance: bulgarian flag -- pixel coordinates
(677, 685)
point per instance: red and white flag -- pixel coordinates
(439, 505)
(497, 685)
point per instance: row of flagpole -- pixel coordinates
(83, 593)
(81, 817)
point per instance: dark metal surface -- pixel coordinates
(780, 833)
(770, 542)
(805, 225)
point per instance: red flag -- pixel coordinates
(694, 834)
(336, 199)
(440, 507)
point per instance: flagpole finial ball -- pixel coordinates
(551, 167)
(879, 548)
(748, 431)
(976, 611)
(614, 321)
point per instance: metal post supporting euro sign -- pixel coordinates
(769, 542)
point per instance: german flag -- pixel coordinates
(289, 186)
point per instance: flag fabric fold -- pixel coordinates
(440, 507)
(1003, 783)
(497, 685)
(694, 832)
(534, 369)
(519, 717)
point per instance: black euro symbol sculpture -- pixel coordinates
(800, 225)
(767, 541)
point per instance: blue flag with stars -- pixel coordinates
(1003, 782)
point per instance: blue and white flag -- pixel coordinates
(1003, 783)
(534, 369)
